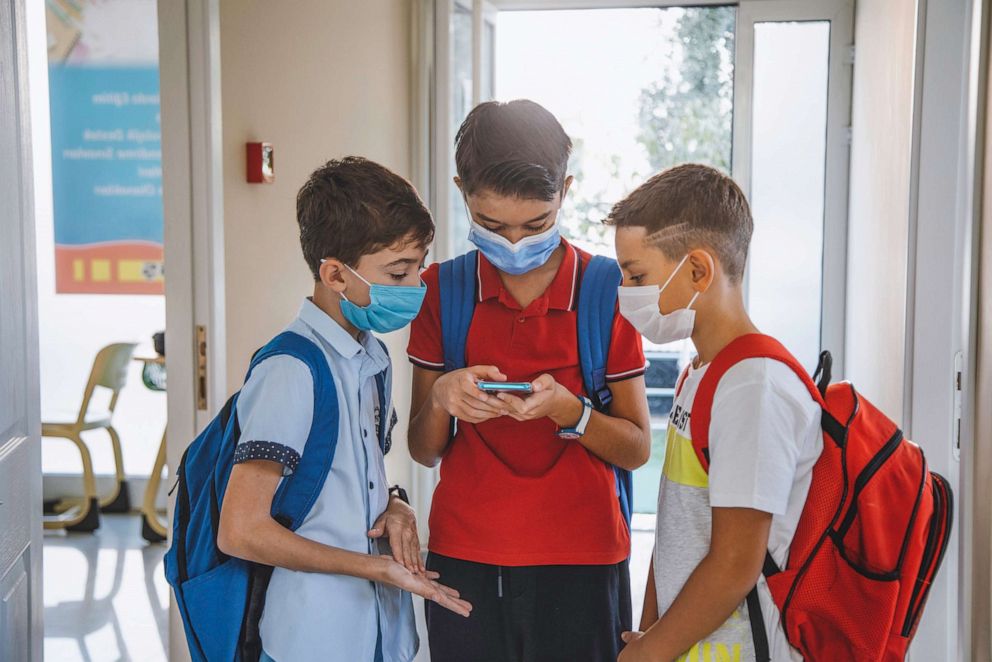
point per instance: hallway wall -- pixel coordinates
(289, 77)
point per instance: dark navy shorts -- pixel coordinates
(572, 613)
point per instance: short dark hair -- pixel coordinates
(515, 149)
(353, 207)
(689, 206)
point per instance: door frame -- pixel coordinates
(977, 422)
(24, 436)
(192, 199)
(942, 308)
(840, 14)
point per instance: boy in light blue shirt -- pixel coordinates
(341, 584)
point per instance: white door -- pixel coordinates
(20, 452)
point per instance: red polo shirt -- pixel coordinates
(513, 493)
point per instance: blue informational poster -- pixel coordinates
(106, 146)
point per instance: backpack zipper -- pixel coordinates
(182, 521)
(931, 558)
(866, 475)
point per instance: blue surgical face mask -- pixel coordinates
(391, 307)
(518, 258)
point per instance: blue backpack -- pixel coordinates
(221, 597)
(597, 305)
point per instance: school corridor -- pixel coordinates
(150, 244)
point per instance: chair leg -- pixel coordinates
(119, 499)
(85, 517)
(152, 529)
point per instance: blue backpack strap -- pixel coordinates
(296, 494)
(596, 311)
(456, 288)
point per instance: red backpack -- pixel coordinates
(871, 536)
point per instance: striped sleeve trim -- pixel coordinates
(428, 365)
(629, 374)
(267, 450)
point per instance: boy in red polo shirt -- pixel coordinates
(525, 524)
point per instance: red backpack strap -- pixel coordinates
(751, 346)
(680, 382)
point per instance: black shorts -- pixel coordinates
(572, 613)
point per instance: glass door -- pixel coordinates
(791, 151)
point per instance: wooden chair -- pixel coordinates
(109, 372)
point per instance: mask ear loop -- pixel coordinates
(675, 271)
(693, 299)
(343, 295)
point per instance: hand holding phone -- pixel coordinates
(458, 393)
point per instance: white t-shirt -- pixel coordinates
(764, 440)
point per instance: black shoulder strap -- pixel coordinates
(758, 633)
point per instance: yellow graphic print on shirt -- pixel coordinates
(711, 651)
(681, 464)
(685, 475)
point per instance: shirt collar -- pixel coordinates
(340, 340)
(560, 293)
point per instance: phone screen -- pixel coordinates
(506, 387)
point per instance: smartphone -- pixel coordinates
(506, 387)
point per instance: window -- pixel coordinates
(787, 182)
(664, 96)
(461, 104)
(757, 88)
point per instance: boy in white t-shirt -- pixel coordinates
(682, 240)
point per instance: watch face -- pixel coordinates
(568, 434)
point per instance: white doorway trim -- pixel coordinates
(21, 599)
(940, 312)
(189, 71)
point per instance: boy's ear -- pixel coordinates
(458, 182)
(703, 268)
(332, 274)
(568, 185)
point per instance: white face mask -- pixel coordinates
(640, 306)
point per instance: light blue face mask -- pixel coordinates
(391, 307)
(518, 258)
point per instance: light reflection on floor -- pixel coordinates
(642, 547)
(106, 599)
(105, 595)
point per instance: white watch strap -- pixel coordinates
(586, 415)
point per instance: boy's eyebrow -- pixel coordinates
(402, 260)
(533, 220)
(627, 264)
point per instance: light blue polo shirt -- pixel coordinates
(313, 616)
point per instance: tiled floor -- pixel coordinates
(642, 545)
(105, 595)
(106, 598)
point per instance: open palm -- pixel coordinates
(426, 586)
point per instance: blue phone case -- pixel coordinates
(506, 387)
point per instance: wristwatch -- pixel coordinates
(580, 428)
(399, 493)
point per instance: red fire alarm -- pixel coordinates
(260, 165)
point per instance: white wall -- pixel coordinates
(878, 223)
(319, 79)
